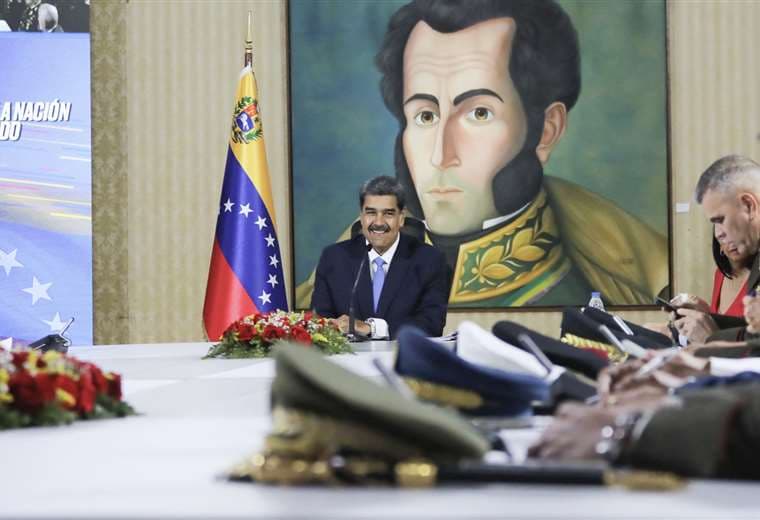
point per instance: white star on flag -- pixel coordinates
(228, 206)
(273, 260)
(8, 261)
(38, 290)
(56, 325)
(261, 222)
(245, 209)
(270, 240)
(272, 280)
(264, 297)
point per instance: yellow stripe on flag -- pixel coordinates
(252, 155)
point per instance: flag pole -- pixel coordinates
(249, 44)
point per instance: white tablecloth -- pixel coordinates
(198, 417)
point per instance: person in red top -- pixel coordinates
(730, 282)
(729, 289)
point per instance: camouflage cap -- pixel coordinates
(352, 413)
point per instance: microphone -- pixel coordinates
(352, 335)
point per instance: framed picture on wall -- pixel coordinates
(531, 139)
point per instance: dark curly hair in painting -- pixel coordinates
(544, 67)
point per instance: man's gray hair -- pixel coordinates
(383, 185)
(729, 173)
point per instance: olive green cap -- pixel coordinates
(353, 413)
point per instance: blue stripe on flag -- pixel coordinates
(249, 243)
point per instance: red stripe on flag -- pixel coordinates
(226, 299)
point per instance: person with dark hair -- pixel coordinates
(389, 278)
(481, 90)
(730, 281)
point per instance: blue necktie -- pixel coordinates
(377, 280)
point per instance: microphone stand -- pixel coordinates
(352, 335)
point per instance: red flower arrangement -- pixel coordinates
(255, 335)
(39, 389)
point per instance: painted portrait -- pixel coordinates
(531, 138)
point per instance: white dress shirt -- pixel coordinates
(381, 326)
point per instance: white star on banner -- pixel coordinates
(272, 280)
(38, 290)
(264, 297)
(270, 240)
(273, 260)
(55, 324)
(245, 209)
(261, 222)
(8, 261)
(228, 206)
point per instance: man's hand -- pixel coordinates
(752, 313)
(695, 325)
(360, 326)
(574, 432)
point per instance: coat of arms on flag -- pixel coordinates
(246, 125)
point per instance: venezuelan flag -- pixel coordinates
(245, 275)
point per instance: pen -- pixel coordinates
(655, 363)
(623, 325)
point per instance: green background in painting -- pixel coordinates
(615, 144)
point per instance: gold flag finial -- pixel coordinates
(249, 44)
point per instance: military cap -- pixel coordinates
(323, 413)
(641, 335)
(438, 375)
(477, 345)
(585, 362)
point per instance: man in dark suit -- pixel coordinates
(402, 280)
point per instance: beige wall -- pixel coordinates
(172, 66)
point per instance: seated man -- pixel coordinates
(710, 429)
(729, 192)
(404, 281)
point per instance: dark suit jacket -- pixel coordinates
(415, 290)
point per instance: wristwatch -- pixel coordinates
(617, 437)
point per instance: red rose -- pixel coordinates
(98, 379)
(300, 335)
(246, 332)
(272, 333)
(71, 387)
(308, 316)
(19, 358)
(257, 317)
(29, 392)
(86, 401)
(114, 385)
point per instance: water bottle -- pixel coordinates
(596, 301)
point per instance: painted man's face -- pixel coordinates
(464, 120)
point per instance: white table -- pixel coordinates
(201, 416)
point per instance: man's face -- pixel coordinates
(464, 120)
(733, 221)
(381, 221)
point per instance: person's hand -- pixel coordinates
(689, 301)
(695, 325)
(360, 326)
(752, 313)
(609, 378)
(574, 432)
(685, 365)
